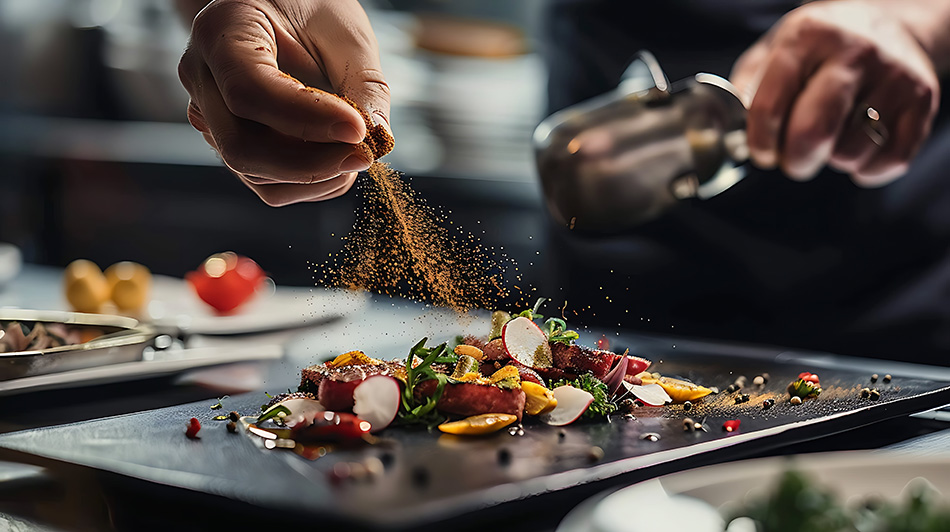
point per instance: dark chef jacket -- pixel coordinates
(822, 265)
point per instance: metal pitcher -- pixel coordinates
(622, 158)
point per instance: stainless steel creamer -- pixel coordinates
(622, 158)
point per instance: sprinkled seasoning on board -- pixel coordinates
(402, 247)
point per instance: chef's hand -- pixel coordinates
(286, 141)
(817, 71)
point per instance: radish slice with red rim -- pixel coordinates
(525, 342)
(376, 400)
(650, 394)
(571, 404)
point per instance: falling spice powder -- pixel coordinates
(400, 246)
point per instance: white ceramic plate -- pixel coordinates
(175, 306)
(696, 496)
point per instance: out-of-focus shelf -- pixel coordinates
(105, 141)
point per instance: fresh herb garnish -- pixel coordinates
(272, 412)
(602, 405)
(556, 330)
(218, 405)
(532, 313)
(413, 411)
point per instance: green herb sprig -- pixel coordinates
(413, 411)
(602, 406)
(556, 330)
(532, 313)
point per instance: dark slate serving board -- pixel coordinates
(430, 478)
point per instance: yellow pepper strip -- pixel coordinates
(538, 399)
(480, 424)
(469, 350)
(353, 358)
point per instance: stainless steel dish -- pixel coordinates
(123, 340)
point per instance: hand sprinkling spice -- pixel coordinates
(400, 246)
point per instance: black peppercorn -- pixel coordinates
(234, 416)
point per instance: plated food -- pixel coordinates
(527, 369)
(34, 335)
(36, 342)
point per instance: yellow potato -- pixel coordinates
(129, 285)
(85, 286)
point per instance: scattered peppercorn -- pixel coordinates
(232, 427)
(731, 388)
(687, 406)
(193, 427)
(595, 454)
(561, 434)
(768, 403)
(234, 416)
(865, 393)
(795, 400)
(875, 395)
(887, 379)
(504, 456)
(627, 405)
(874, 378)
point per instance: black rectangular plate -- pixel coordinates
(430, 478)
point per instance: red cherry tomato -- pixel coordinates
(731, 425)
(226, 281)
(809, 377)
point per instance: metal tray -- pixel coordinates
(123, 341)
(433, 480)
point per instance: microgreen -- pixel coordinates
(532, 313)
(273, 412)
(413, 411)
(556, 331)
(219, 405)
(602, 405)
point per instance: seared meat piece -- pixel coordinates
(470, 399)
(578, 359)
(526, 373)
(334, 386)
(284, 396)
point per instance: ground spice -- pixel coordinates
(400, 246)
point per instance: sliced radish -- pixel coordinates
(302, 410)
(376, 400)
(650, 394)
(637, 365)
(616, 375)
(571, 403)
(525, 343)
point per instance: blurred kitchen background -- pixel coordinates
(99, 162)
